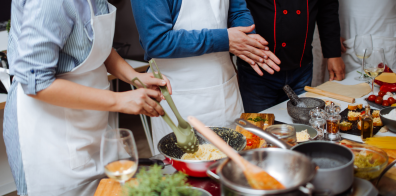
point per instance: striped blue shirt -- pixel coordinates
(47, 38)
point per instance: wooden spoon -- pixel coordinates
(257, 177)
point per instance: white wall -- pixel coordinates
(3, 40)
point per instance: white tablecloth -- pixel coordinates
(280, 110)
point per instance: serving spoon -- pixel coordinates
(257, 177)
(187, 140)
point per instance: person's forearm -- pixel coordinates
(118, 67)
(72, 95)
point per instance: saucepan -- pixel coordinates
(334, 174)
(196, 168)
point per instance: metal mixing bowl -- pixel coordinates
(389, 123)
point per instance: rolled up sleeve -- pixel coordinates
(44, 31)
(155, 26)
(239, 15)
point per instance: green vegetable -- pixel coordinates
(364, 74)
(257, 119)
(8, 27)
(152, 183)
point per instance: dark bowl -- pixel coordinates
(390, 124)
(301, 115)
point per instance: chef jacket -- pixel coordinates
(155, 20)
(288, 26)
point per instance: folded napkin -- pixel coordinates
(354, 91)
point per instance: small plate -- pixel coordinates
(311, 131)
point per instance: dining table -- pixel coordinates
(386, 186)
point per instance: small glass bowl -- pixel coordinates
(287, 133)
(375, 154)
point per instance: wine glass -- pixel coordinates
(118, 154)
(374, 63)
(361, 43)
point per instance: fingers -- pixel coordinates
(153, 94)
(331, 75)
(168, 85)
(246, 29)
(269, 66)
(252, 63)
(260, 39)
(152, 107)
(273, 57)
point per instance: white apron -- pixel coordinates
(361, 17)
(204, 86)
(60, 146)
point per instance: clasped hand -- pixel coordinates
(253, 49)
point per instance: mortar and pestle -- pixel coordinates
(298, 108)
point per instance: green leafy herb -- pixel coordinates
(152, 183)
(257, 119)
(8, 27)
(364, 74)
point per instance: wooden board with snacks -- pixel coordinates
(350, 118)
(108, 187)
(260, 120)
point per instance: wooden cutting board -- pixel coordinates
(270, 120)
(254, 141)
(108, 187)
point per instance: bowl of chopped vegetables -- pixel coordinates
(369, 161)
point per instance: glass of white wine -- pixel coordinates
(118, 154)
(374, 63)
(361, 43)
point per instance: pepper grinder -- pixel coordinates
(333, 123)
(318, 121)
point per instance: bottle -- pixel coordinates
(366, 124)
(295, 100)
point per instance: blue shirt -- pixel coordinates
(155, 20)
(47, 38)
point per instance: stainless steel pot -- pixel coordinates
(335, 162)
(294, 170)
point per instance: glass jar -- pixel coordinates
(287, 133)
(318, 121)
(333, 122)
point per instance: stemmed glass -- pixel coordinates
(118, 154)
(374, 63)
(361, 43)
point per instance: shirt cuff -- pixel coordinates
(220, 40)
(33, 85)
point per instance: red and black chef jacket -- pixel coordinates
(288, 26)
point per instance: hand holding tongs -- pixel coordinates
(186, 139)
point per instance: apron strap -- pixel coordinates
(92, 10)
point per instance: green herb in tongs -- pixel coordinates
(257, 119)
(152, 183)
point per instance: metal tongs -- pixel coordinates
(186, 139)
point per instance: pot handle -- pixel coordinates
(150, 162)
(259, 132)
(307, 189)
(212, 174)
(385, 170)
